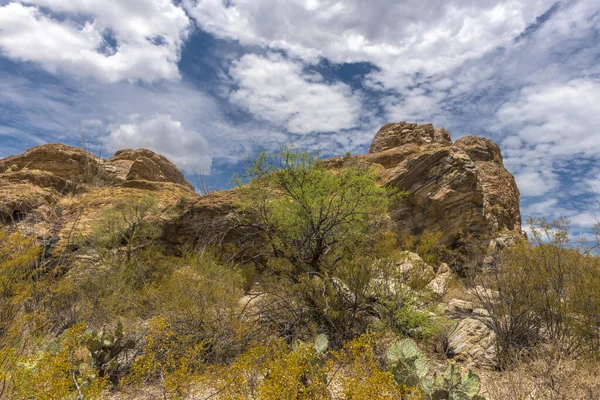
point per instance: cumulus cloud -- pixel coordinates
(109, 40)
(164, 135)
(550, 124)
(278, 90)
(401, 38)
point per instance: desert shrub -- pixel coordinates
(166, 359)
(64, 371)
(275, 371)
(547, 374)
(242, 378)
(361, 373)
(18, 257)
(200, 299)
(428, 245)
(130, 223)
(312, 232)
(546, 291)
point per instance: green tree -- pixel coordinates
(309, 215)
(312, 233)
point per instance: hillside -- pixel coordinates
(120, 280)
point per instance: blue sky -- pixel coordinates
(208, 83)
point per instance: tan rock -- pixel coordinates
(395, 135)
(460, 189)
(63, 161)
(143, 164)
(472, 342)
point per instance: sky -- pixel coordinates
(209, 83)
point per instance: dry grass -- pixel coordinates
(550, 376)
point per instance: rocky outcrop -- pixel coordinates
(57, 192)
(460, 189)
(470, 340)
(143, 164)
(399, 134)
(60, 160)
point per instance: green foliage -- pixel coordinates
(105, 348)
(308, 214)
(200, 299)
(558, 302)
(18, 257)
(427, 245)
(312, 234)
(363, 373)
(168, 361)
(275, 371)
(129, 223)
(410, 367)
(65, 371)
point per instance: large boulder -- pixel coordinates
(143, 164)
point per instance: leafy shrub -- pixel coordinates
(362, 374)
(276, 371)
(63, 372)
(168, 361)
(312, 233)
(129, 223)
(559, 302)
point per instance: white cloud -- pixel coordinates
(164, 135)
(147, 35)
(402, 38)
(278, 90)
(551, 125)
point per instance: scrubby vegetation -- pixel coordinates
(313, 297)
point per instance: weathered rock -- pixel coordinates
(470, 340)
(439, 284)
(62, 161)
(143, 164)
(398, 134)
(79, 215)
(460, 189)
(59, 192)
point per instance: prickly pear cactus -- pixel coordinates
(452, 386)
(105, 347)
(321, 343)
(410, 367)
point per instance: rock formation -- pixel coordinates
(459, 188)
(57, 192)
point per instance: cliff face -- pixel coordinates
(459, 188)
